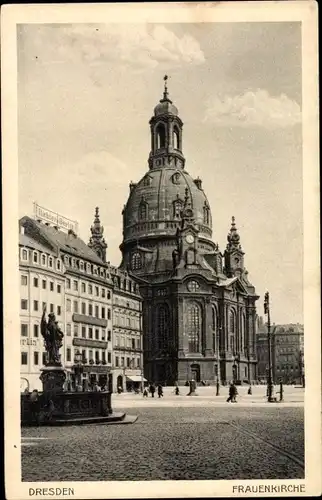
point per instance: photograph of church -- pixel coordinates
(199, 307)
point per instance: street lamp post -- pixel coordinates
(270, 386)
(218, 363)
(78, 368)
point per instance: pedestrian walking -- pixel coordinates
(152, 390)
(160, 391)
(249, 390)
(145, 392)
(235, 394)
(231, 393)
(176, 390)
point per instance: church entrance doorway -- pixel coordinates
(195, 372)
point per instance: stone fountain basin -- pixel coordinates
(71, 408)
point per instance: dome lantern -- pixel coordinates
(166, 134)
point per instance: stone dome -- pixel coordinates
(153, 207)
(165, 107)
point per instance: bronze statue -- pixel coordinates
(53, 337)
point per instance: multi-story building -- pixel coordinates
(42, 283)
(74, 281)
(287, 350)
(127, 317)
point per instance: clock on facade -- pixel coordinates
(190, 238)
(193, 286)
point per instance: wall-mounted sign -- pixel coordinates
(55, 219)
(29, 342)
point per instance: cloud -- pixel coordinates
(136, 44)
(253, 109)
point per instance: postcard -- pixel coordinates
(161, 250)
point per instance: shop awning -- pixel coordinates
(136, 378)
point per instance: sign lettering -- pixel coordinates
(46, 215)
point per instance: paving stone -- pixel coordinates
(171, 443)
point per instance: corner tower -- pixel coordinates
(97, 242)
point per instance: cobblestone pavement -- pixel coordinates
(228, 442)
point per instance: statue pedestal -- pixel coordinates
(53, 378)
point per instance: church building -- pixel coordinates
(199, 312)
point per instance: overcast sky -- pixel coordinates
(85, 97)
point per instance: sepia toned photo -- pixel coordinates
(161, 315)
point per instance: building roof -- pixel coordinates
(67, 242)
(27, 241)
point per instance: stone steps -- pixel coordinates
(114, 418)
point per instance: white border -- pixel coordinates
(304, 11)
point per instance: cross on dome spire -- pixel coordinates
(165, 93)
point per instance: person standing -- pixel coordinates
(152, 390)
(35, 406)
(160, 391)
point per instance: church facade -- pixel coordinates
(199, 307)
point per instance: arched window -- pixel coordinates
(206, 217)
(176, 138)
(214, 329)
(177, 207)
(232, 330)
(136, 261)
(147, 180)
(143, 210)
(194, 327)
(160, 133)
(163, 326)
(232, 322)
(243, 333)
